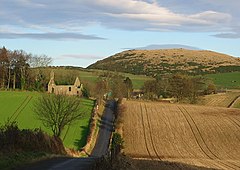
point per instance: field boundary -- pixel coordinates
(21, 104)
(21, 107)
(25, 105)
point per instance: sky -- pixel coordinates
(80, 32)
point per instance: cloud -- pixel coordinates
(145, 15)
(149, 16)
(228, 35)
(49, 36)
(165, 46)
(79, 56)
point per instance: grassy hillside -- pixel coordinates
(151, 62)
(18, 106)
(226, 80)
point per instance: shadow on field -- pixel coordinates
(165, 165)
(125, 162)
(79, 143)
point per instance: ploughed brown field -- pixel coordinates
(175, 136)
(220, 99)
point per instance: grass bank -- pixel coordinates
(18, 106)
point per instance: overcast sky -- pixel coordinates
(80, 32)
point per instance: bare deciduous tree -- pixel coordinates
(57, 111)
(3, 65)
(39, 61)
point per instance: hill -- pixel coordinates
(171, 136)
(151, 62)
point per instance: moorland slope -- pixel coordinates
(150, 62)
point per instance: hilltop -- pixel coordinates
(151, 62)
(166, 46)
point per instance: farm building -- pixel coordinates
(136, 94)
(72, 90)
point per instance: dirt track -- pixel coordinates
(194, 135)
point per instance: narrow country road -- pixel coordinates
(100, 149)
(106, 129)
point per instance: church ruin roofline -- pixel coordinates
(66, 89)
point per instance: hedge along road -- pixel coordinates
(100, 149)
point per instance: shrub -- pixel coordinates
(12, 140)
(117, 140)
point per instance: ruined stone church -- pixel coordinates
(71, 90)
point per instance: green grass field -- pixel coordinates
(226, 80)
(137, 80)
(92, 76)
(18, 106)
(222, 80)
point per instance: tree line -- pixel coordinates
(112, 85)
(180, 86)
(15, 69)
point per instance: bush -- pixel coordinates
(12, 140)
(116, 146)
